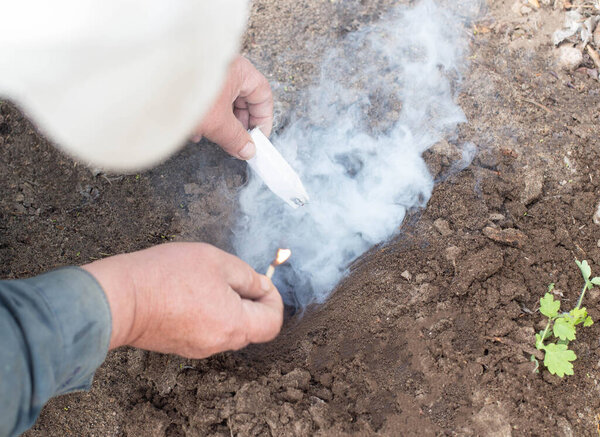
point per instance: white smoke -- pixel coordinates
(384, 97)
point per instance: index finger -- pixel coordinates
(243, 279)
(255, 95)
(264, 317)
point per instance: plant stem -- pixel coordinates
(546, 330)
(579, 302)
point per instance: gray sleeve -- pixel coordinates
(54, 334)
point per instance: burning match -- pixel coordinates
(282, 256)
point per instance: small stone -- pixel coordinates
(569, 58)
(421, 277)
(293, 394)
(593, 297)
(516, 7)
(406, 275)
(444, 148)
(192, 189)
(496, 217)
(510, 237)
(20, 209)
(443, 227)
(452, 253)
(534, 183)
(297, 378)
(596, 218)
(525, 10)
(19, 198)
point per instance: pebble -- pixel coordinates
(444, 148)
(510, 237)
(421, 277)
(443, 227)
(520, 9)
(496, 217)
(534, 183)
(452, 253)
(569, 58)
(596, 218)
(406, 275)
(293, 394)
(297, 378)
(192, 189)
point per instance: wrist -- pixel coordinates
(119, 287)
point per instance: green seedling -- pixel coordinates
(558, 357)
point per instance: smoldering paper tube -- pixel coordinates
(275, 171)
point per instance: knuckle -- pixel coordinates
(240, 341)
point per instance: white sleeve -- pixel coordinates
(119, 84)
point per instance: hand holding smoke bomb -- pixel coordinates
(281, 257)
(275, 171)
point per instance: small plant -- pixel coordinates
(557, 355)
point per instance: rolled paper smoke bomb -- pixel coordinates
(282, 256)
(275, 171)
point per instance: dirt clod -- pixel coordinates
(569, 58)
(510, 236)
(443, 227)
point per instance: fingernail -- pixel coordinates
(248, 151)
(265, 283)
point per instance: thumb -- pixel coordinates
(234, 138)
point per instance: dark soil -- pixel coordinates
(429, 334)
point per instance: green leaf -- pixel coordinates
(558, 359)
(596, 280)
(564, 329)
(586, 271)
(548, 306)
(578, 315)
(551, 287)
(588, 322)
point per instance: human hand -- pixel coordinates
(245, 102)
(190, 299)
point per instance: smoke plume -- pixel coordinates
(385, 95)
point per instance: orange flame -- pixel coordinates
(282, 256)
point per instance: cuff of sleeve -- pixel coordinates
(82, 313)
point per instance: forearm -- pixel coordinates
(54, 333)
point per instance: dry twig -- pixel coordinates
(594, 55)
(539, 105)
